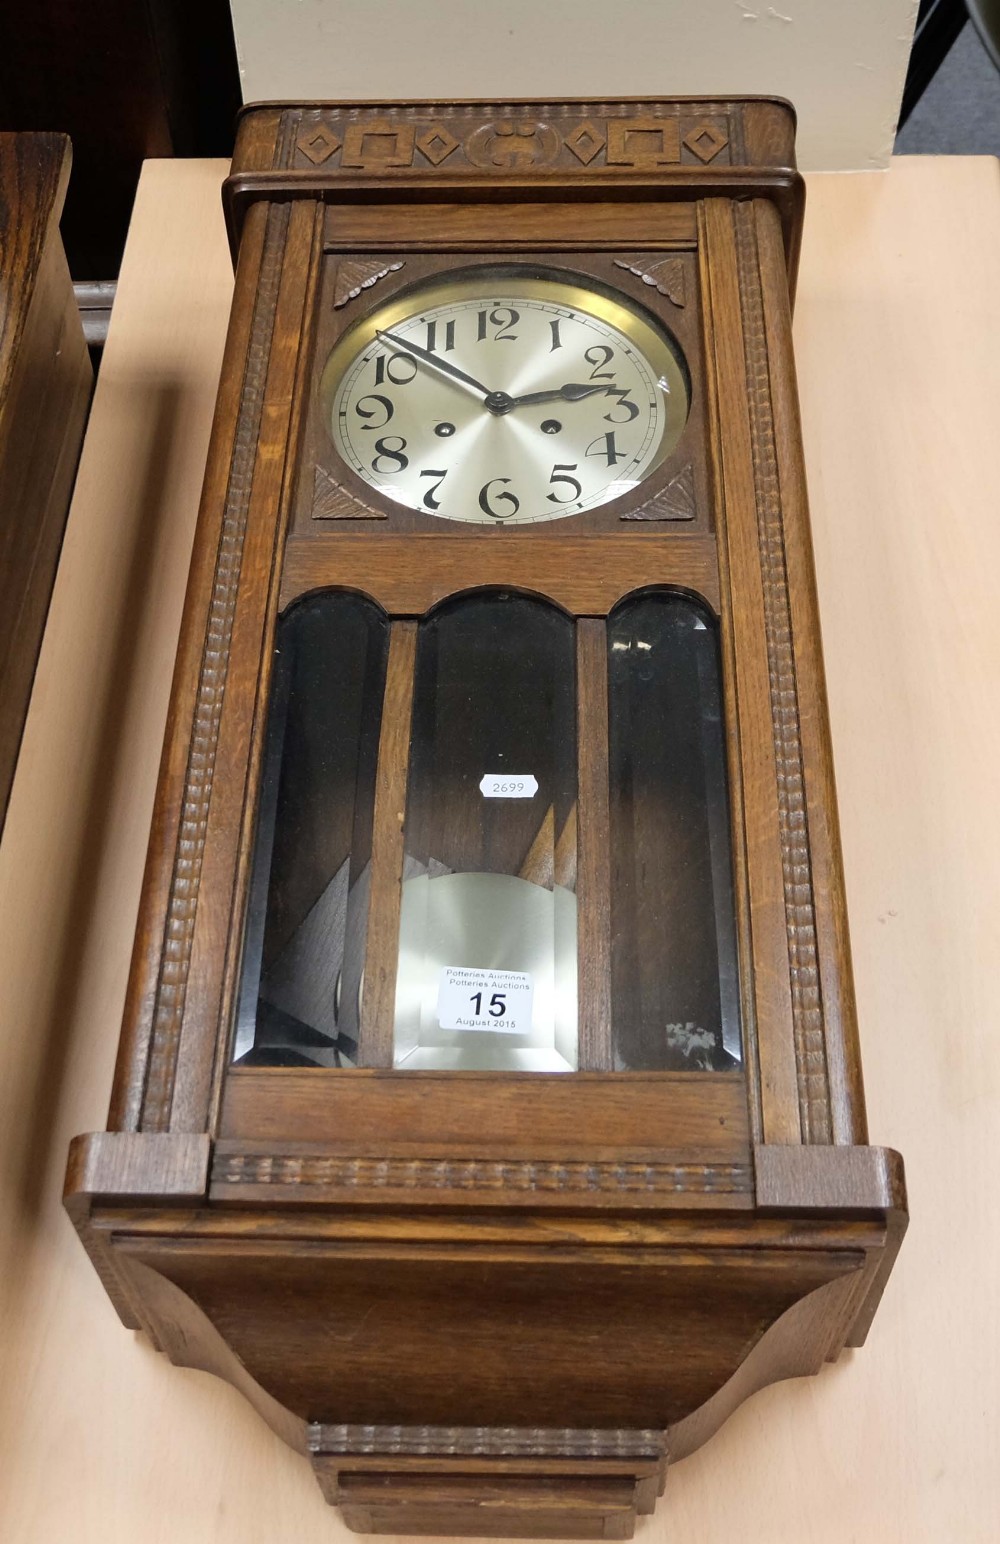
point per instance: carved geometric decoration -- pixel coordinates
(344, 1172)
(378, 145)
(332, 502)
(185, 879)
(644, 143)
(479, 1441)
(667, 277)
(793, 816)
(705, 142)
(353, 277)
(319, 144)
(674, 502)
(436, 143)
(585, 142)
(512, 146)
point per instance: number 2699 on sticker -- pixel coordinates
(508, 785)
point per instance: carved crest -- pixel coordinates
(512, 145)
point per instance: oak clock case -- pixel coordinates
(489, 1105)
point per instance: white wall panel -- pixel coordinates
(842, 62)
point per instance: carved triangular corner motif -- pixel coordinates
(674, 502)
(666, 277)
(353, 277)
(332, 502)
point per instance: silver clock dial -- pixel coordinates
(504, 399)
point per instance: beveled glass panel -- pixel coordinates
(675, 999)
(307, 913)
(487, 962)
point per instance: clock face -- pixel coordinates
(504, 399)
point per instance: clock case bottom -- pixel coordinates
(459, 1363)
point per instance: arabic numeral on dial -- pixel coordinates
(559, 475)
(505, 334)
(503, 318)
(397, 368)
(605, 446)
(430, 502)
(600, 355)
(487, 499)
(382, 411)
(390, 449)
(432, 333)
(624, 400)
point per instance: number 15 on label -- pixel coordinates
(497, 1005)
(495, 1001)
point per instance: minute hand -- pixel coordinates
(573, 391)
(436, 363)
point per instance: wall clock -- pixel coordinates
(489, 1104)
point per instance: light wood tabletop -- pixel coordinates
(898, 340)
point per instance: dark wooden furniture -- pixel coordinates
(488, 1299)
(45, 382)
(127, 80)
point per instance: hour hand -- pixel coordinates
(436, 364)
(573, 391)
